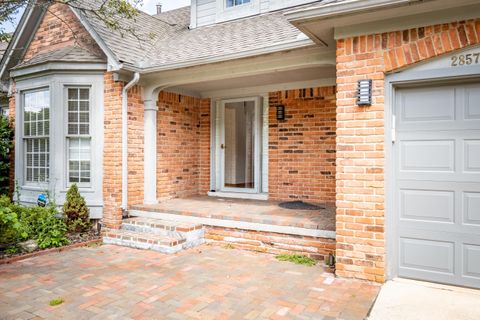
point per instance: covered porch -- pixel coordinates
(252, 224)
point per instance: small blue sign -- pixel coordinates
(42, 200)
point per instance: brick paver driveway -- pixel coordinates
(203, 283)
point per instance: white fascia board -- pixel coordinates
(58, 67)
(113, 63)
(14, 42)
(341, 8)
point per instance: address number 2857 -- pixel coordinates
(465, 59)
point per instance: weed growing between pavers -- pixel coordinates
(56, 301)
(297, 259)
(228, 246)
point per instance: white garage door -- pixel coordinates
(437, 187)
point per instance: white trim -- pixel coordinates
(390, 24)
(59, 67)
(234, 224)
(239, 195)
(265, 151)
(260, 90)
(257, 146)
(193, 14)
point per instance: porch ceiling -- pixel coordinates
(279, 80)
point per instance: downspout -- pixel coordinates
(125, 89)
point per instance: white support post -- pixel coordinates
(150, 151)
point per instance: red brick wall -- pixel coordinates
(135, 145)
(271, 242)
(112, 152)
(60, 28)
(360, 135)
(183, 145)
(302, 147)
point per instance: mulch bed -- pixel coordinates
(76, 240)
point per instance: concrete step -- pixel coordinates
(142, 240)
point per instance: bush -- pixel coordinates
(76, 211)
(11, 230)
(18, 223)
(6, 144)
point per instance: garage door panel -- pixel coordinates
(472, 102)
(430, 205)
(471, 155)
(427, 255)
(437, 183)
(427, 155)
(471, 208)
(416, 105)
(471, 261)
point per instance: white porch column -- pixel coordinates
(150, 152)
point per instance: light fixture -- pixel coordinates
(280, 112)
(364, 92)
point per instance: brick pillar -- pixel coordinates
(112, 154)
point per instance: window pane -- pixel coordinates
(37, 159)
(79, 160)
(78, 111)
(72, 94)
(84, 94)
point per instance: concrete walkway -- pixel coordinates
(402, 299)
(207, 282)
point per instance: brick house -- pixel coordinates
(208, 116)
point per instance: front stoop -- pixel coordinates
(157, 235)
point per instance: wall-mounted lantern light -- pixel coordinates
(364, 93)
(280, 112)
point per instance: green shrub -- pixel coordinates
(76, 211)
(11, 230)
(18, 223)
(6, 145)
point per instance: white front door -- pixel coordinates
(239, 143)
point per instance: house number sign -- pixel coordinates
(465, 59)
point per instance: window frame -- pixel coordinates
(237, 5)
(68, 137)
(224, 13)
(35, 184)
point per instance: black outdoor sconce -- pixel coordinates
(280, 112)
(364, 93)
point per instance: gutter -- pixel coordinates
(344, 7)
(134, 81)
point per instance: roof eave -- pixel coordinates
(342, 8)
(113, 63)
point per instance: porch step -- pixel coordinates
(139, 240)
(155, 234)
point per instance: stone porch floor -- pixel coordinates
(258, 211)
(110, 282)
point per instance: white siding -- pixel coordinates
(207, 11)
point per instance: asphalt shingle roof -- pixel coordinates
(165, 39)
(67, 54)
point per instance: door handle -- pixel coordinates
(222, 146)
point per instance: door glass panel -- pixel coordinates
(239, 144)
